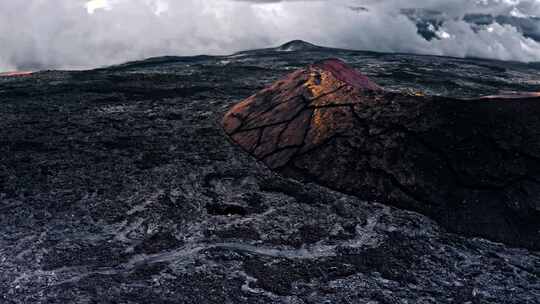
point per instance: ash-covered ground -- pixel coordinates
(118, 185)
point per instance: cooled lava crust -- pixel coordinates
(472, 165)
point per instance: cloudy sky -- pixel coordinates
(78, 34)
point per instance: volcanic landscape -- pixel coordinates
(163, 181)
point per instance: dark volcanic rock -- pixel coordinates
(472, 165)
(119, 186)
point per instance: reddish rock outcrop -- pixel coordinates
(474, 165)
(15, 73)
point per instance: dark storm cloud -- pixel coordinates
(62, 34)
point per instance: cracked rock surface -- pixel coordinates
(119, 185)
(472, 165)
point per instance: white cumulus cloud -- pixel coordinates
(77, 34)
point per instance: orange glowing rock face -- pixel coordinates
(314, 105)
(290, 116)
(453, 160)
(342, 72)
(15, 73)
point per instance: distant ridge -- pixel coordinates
(297, 45)
(293, 47)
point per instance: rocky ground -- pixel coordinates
(119, 186)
